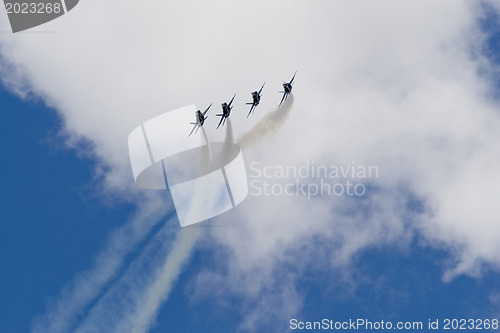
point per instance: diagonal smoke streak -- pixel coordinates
(146, 309)
(131, 305)
(229, 132)
(88, 285)
(267, 125)
(107, 312)
(125, 307)
(144, 303)
(133, 302)
(227, 148)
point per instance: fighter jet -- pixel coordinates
(226, 110)
(200, 119)
(288, 89)
(256, 100)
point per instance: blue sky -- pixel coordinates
(59, 209)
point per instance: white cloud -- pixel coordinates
(388, 83)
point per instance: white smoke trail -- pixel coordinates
(86, 286)
(132, 303)
(147, 308)
(267, 125)
(147, 305)
(229, 132)
(125, 307)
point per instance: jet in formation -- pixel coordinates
(200, 119)
(226, 111)
(227, 107)
(256, 99)
(287, 86)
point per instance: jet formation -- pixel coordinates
(227, 107)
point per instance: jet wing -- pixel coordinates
(283, 98)
(193, 129)
(261, 88)
(251, 109)
(205, 112)
(293, 78)
(231, 100)
(221, 119)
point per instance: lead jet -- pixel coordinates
(256, 99)
(200, 119)
(226, 111)
(287, 86)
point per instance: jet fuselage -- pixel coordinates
(256, 98)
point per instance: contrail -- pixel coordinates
(267, 125)
(222, 157)
(86, 286)
(210, 157)
(229, 132)
(148, 303)
(133, 302)
(204, 134)
(96, 301)
(146, 310)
